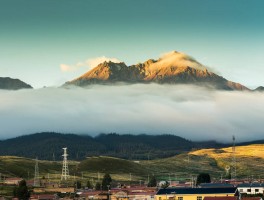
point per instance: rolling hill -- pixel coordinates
(250, 160)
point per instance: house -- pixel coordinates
(119, 195)
(194, 193)
(43, 197)
(222, 198)
(54, 190)
(250, 188)
(141, 195)
(216, 185)
(12, 181)
(98, 195)
(138, 193)
(251, 198)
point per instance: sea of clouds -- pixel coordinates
(191, 112)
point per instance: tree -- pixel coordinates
(22, 192)
(89, 184)
(97, 186)
(78, 184)
(106, 182)
(203, 178)
(164, 184)
(152, 182)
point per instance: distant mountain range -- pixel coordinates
(48, 146)
(172, 68)
(7, 83)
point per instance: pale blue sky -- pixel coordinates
(36, 36)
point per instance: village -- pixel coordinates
(67, 186)
(164, 190)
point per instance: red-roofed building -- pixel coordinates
(251, 198)
(221, 198)
(43, 197)
(12, 181)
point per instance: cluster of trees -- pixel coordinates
(22, 192)
(203, 178)
(47, 146)
(104, 185)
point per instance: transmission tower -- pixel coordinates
(233, 169)
(65, 169)
(36, 177)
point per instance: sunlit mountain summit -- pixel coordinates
(171, 68)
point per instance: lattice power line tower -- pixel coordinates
(65, 169)
(36, 177)
(233, 166)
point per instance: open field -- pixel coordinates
(250, 162)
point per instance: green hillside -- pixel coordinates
(250, 162)
(48, 146)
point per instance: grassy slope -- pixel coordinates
(250, 161)
(250, 158)
(25, 167)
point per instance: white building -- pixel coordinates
(250, 188)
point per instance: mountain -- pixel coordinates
(172, 68)
(7, 83)
(48, 146)
(259, 89)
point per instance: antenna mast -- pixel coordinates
(233, 171)
(65, 169)
(36, 177)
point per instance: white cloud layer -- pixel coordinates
(89, 64)
(191, 112)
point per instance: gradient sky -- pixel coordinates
(36, 36)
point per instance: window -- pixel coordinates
(248, 190)
(159, 198)
(180, 198)
(199, 198)
(256, 190)
(240, 190)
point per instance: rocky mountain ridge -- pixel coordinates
(172, 68)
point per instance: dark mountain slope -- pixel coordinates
(7, 83)
(45, 145)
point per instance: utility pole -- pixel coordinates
(36, 177)
(65, 169)
(233, 168)
(48, 178)
(98, 176)
(148, 178)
